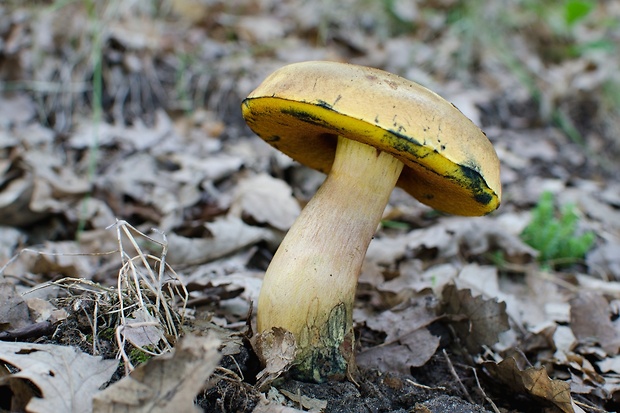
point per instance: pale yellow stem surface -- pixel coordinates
(309, 287)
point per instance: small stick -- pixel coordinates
(422, 386)
(487, 398)
(456, 376)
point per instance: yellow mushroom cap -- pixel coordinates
(450, 165)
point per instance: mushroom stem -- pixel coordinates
(309, 287)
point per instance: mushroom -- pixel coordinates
(369, 131)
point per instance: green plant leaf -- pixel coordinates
(575, 10)
(553, 233)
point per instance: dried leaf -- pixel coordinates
(15, 202)
(266, 200)
(532, 381)
(166, 383)
(62, 257)
(606, 258)
(66, 378)
(14, 310)
(276, 351)
(268, 406)
(408, 343)
(591, 322)
(10, 238)
(228, 235)
(142, 329)
(415, 314)
(309, 403)
(609, 364)
(452, 234)
(412, 350)
(15, 110)
(484, 319)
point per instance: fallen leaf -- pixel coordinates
(609, 364)
(42, 310)
(14, 310)
(411, 350)
(266, 200)
(450, 236)
(590, 320)
(408, 343)
(605, 259)
(276, 351)
(417, 313)
(165, 383)
(61, 257)
(15, 200)
(228, 235)
(142, 329)
(484, 319)
(10, 239)
(268, 406)
(309, 403)
(16, 109)
(532, 381)
(66, 378)
(481, 279)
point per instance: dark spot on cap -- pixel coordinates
(483, 198)
(324, 104)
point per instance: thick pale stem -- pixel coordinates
(309, 287)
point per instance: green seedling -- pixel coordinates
(553, 232)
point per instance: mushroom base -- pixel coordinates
(331, 358)
(309, 287)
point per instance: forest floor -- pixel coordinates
(138, 213)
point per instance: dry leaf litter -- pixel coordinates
(138, 213)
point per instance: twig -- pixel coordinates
(487, 398)
(589, 407)
(422, 386)
(457, 378)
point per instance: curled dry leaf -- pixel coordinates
(276, 350)
(484, 319)
(165, 383)
(266, 200)
(66, 378)
(532, 381)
